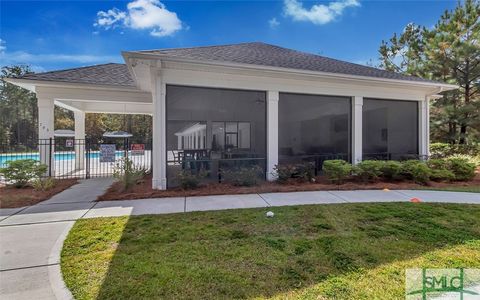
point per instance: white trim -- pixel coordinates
(357, 129)
(167, 58)
(159, 177)
(272, 133)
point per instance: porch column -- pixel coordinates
(79, 139)
(357, 129)
(159, 177)
(423, 128)
(46, 108)
(272, 133)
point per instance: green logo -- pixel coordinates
(442, 283)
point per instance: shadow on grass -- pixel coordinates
(243, 254)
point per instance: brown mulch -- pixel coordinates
(144, 189)
(12, 197)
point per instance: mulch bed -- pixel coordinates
(144, 189)
(12, 197)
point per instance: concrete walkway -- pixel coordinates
(31, 238)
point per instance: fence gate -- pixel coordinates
(79, 158)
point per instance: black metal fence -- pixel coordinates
(79, 158)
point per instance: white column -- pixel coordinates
(423, 127)
(46, 108)
(357, 129)
(79, 139)
(159, 178)
(272, 133)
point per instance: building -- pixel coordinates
(220, 106)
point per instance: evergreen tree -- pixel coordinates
(450, 52)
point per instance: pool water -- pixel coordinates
(4, 157)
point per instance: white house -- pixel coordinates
(250, 101)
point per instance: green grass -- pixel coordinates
(345, 251)
(471, 189)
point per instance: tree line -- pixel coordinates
(449, 52)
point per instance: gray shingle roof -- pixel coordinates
(247, 53)
(274, 56)
(106, 74)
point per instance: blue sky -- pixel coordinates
(63, 34)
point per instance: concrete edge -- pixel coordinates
(57, 283)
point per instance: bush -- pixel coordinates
(21, 172)
(442, 175)
(305, 172)
(391, 170)
(302, 172)
(462, 169)
(337, 170)
(188, 180)
(245, 176)
(438, 164)
(43, 184)
(127, 173)
(416, 170)
(283, 173)
(368, 170)
(471, 159)
(443, 150)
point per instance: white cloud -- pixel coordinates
(273, 23)
(141, 14)
(3, 46)
(318, 14)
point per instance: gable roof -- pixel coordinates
(105, 74)
(262, 54)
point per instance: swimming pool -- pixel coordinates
(4, 157)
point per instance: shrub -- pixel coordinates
(438, 164)
(189, 180)
(245, 176)
(21, 172)
(283, 172)
(391, 169)
(416, 170)
(368, 170)
(127, 173)
(471, 159)
(305, 172)
(337, 170)
(443, 150)
(302, 172)
(462, 169)
(442, 175)
(43, 184)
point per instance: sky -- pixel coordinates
(52, 35)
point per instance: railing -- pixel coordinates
(211, 170)
(393, 156)
(75, 158)
(317, 160)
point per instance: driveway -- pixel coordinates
(32, 238)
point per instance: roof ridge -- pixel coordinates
(196, 47)
(72, 69)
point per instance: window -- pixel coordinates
(312, 125)
(211, 125)
(390, 128)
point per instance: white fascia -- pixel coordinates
(128, 56)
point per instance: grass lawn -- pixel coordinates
(344, 251)
(471, 189)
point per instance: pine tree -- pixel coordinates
(450, 52)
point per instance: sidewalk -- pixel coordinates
(31, 238)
